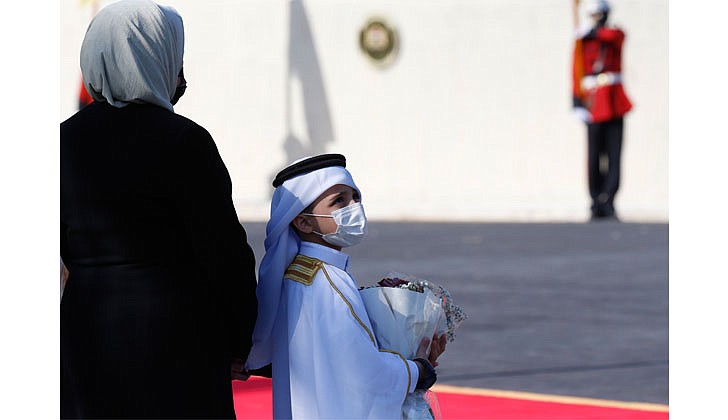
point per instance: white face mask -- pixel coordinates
(351, 225)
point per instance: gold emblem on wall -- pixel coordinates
(378, 40)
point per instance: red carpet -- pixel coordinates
(253, 400)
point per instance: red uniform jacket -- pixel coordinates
(599, 54)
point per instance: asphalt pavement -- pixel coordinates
(570, 309)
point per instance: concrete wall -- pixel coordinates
(470, 123)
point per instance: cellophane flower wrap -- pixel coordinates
(404, 309)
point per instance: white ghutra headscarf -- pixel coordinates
(132, 52)
(281, 247)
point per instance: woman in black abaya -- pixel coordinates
(161, 293)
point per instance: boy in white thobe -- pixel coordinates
(312, 324)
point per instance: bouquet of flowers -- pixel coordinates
(403, 310)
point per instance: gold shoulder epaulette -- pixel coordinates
(303, 269)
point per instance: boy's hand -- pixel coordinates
(436, 349)
(237, 370)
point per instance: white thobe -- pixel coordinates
(330, 366)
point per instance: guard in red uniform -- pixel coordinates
(600, 101)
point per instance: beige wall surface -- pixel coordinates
(470, 122)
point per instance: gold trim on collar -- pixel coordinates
(303, 269)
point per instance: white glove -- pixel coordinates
(582, 114)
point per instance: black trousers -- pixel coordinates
(603, 161)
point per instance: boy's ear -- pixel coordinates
(302, 224)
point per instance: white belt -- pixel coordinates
(602, 79)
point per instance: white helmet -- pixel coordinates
(593, 7)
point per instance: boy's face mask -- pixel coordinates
(351, 225)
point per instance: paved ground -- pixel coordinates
(570, 309)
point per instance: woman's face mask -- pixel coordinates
(181, 87)
(351, 225)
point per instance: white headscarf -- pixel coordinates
(132, 52)
(281, 247)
